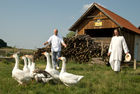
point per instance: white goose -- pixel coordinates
(19, 75)
(49, 68)
(25, 68)
(68, 78)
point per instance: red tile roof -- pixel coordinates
(114, 17)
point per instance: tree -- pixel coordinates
(2, 43)
(70, 34)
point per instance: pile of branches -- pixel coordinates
(79, 48)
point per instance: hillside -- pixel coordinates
(9, 51)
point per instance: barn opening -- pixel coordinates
(108, 32)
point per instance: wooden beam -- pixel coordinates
(96, 16)
(135, 64)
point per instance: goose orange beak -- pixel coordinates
(11, 56)
(60, 58)
(43, 53)
(26, 55)
(22, 57)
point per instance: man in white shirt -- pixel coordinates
(55, 41)
(117, 45)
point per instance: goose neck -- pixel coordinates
(29, 61)
(25, 62)
(17, 62)
(48, 61)
(63, 66)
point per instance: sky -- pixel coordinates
(29, 23)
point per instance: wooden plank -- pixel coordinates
(2, 57)
(135, 64)
(102, 48)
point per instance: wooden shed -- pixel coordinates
(99, 23)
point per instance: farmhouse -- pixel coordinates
(99, 23)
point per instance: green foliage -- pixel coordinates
(2, 43)
(97, 80)
(5, 61)
(70, 34)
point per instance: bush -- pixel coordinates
(2, 43)
(70, 34)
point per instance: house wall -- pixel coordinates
(130, 39)
(137, 48)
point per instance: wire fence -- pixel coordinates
(7, 52)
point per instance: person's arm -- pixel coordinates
(125, 48)
(46, 43)
(49, 40)
(63, 43)
(110, 49)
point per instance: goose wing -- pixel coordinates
(70, 78)
(42, 76)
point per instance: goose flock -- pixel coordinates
(30, 72)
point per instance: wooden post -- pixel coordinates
(6, 52)
(76, 32)
(74, 45)
(87, 43)
(135, 64)
(102, 48)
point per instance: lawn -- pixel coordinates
(98, 79)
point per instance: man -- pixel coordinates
(115, 50)
(55, 41)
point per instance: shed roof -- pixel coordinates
(120, 21)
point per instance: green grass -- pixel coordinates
(97, 80)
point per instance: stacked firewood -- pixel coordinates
(38, 53)
(105, 58)
(80, 48)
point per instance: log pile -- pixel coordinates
(38, 53)
(80, 48)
